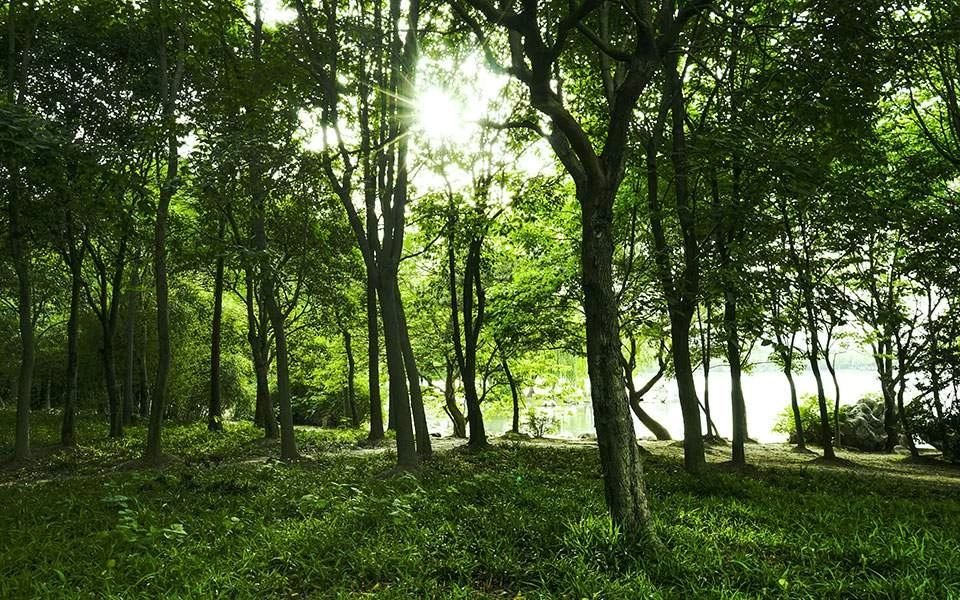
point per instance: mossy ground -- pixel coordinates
(521, 520)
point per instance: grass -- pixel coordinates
(523, 520)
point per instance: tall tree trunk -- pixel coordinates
(736, 383)
(825, 429)
(399, 401)
(450, 402)
(832, 369)
(169, 91)
(465, 346)
(884, 362)
(145, 396)
(514, 388)
(706, 339)
(68, 428)
(21, 265)
(619, 453)
(694, 459)
(257, 337)
(373, 360)
(288, 445)
(351, 380)
(113, 386)
(794, 402)
(424, 445)
(130, 354)
(215, 406)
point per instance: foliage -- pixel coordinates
(943, 434)
(541, 423)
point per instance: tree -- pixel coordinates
(536, 60)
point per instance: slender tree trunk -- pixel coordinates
(450, 402)
(215, 406)
(465, 346)
(693, 449)
(21, 265)
(399, 401)
(832, 369)
(514, 391)
(825, 429)
(288, 445)
(424, 445)
(736, 383)
(145, 396)
(794, 402)
(619, 453)
(68, 428)
(658, 430)
(257, 337)
(884, 364)
(130, 354)
(169, 91)
(373, 360)
(705, 345)
(113, 386)
(351, 380)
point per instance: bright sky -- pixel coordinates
(449, 113)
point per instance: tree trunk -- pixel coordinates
(130, 354)
(399, 401)
(21, 265)
(257, 337)
(884, 362)
(373, 361)
(619, 453)
(450, 402)
(68, 429)
(694, 459)
(832, 369)
(288, 445)
(825, 429)
(267, 276)
(465, 347)
(169, 91)
(113, 386)
(794, 402)
(705, 345)
(424, 445)
(214, 409)
(351, 380)
(658, 430)
(514, 391)
(736, 383)
(145, 396)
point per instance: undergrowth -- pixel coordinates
(518, 521)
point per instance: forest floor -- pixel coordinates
(523, 520)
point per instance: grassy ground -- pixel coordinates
(522, 520)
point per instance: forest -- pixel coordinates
(297, 298)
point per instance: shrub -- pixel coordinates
(541, 424)
(809, 419)
(942, 434)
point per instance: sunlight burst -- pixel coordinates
(440, 117)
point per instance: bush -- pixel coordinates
(541, 424)
(809, 419)
(326, 409)
(942, 434)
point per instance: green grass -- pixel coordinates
(521, 520)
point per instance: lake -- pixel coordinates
(766, 394)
